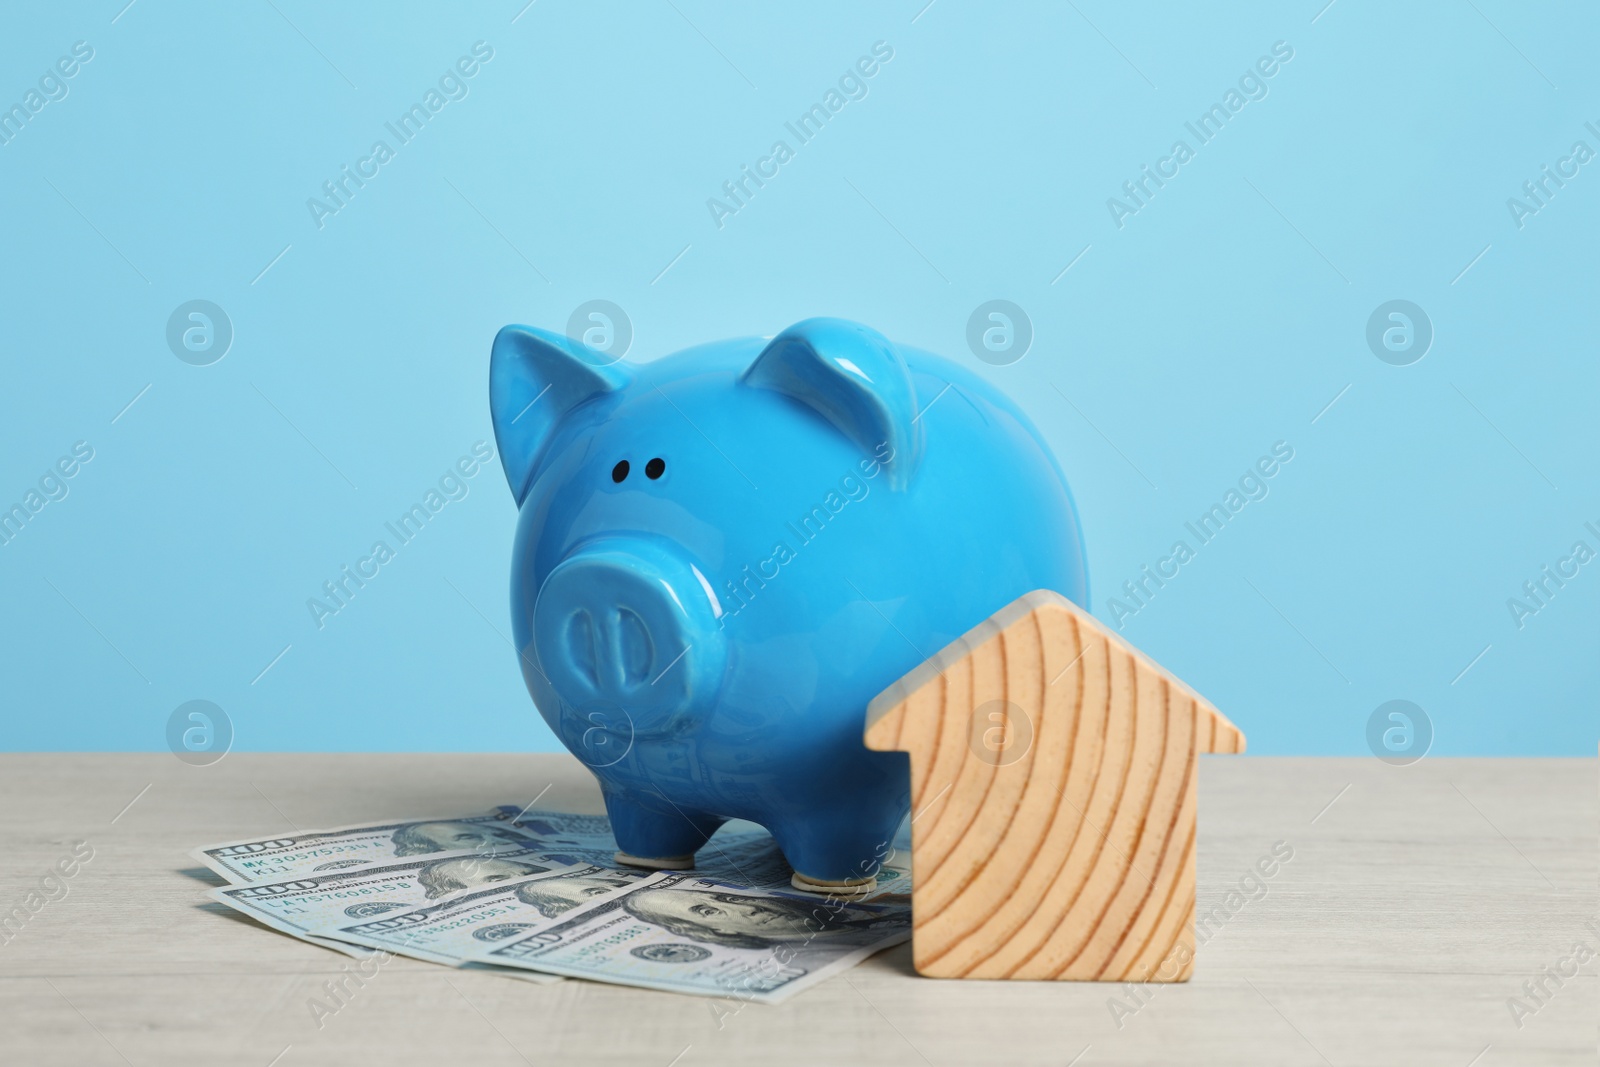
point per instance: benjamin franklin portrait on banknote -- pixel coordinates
(471, 872)
(416, 839)
(742, 921)
(556, 896)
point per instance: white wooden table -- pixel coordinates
(1417, 903)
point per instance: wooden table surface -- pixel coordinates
(1417, 903)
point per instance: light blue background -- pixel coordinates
(1223, 317)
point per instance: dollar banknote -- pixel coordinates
(462, 884)
(284, 856)
(739, 853)
(452, 931)
(687, 934)
(301, 905)
(587, 839)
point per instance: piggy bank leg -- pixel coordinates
(837, 852)
(651, 838)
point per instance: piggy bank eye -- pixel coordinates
(620, 471)
(655, 468)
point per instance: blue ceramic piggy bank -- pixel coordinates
(723, 555)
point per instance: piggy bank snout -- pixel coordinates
(630, 627)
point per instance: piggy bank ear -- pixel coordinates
(853, 377)
(536, 378)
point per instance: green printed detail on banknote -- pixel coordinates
(739, 853)
(291, 855)
(452, 931)
(301, 905)
(538, 895)
(686, 934)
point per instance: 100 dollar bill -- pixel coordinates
(686, 934)
(452, 931)
(739, 850)
(740, 853)
(299, 906)
(291, 855)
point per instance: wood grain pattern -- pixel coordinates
(1053, 780)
